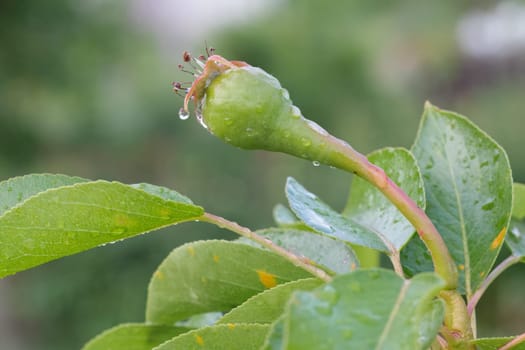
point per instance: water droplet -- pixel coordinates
(250, 132)
(316, 163)
(306, 142)
(488, 205)
(496, 156)
(198, 112)
(183, 114)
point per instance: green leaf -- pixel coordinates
(325, 251)
(518, 209)
(320, 217)
(366, 309)
(468, 185)
(268, 306)
(495, 343)
(133, 336)
(370, 208)
(209, 276)
(220, 337)
(65, 220)
(284, 216)
(516, 237)
(163, 192)
(16, 190)
(200, 320)
(275, 337)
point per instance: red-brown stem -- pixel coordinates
(517, 340)
(498, 270)
(350, 160)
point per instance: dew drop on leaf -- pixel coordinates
(488, 205)
(306, 142)
(228, 121)
(316, 163)
(250, 132)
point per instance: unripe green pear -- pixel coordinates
(247, 108)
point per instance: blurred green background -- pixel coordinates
(85, 90)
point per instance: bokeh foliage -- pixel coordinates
(85, 91)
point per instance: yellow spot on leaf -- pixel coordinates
(231, 325)
(267, 279)
(353, 266)
(159, 275)
(191, 250)
(199, 339)
(461, 267)
(165, 213)
(216, 258)
(482, 273)
(124, 220)
(499, 239)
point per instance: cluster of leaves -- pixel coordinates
(240, 295)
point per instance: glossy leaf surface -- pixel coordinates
(325, 251)
(220, 337)
(134, 336)
(366, 309)
(516, 237)
(209, 276)
(16, 190)
(320, 217)
(518, 209)
(267, 306)
(369, 207)
(61, 221)
(468, 187)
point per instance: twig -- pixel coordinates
(265, 242)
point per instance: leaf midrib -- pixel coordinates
(393, 314)
(466, 253)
